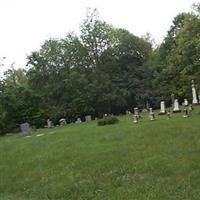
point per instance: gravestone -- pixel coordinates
(49, 123)
(136, 112)
(185, 113)
(151, 114)
(176, 107)
(25, 129)
(128, 112)
(185, 102)
(88, 118)
(135, 118)
(62, 122)
(162, 108)
(194, 94)
(78, 121)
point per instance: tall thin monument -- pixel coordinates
(194, 94)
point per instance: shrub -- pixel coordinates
(108, 120)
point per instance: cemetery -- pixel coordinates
(84, 160)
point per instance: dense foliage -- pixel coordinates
(104, 70)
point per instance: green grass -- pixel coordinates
(149, 160)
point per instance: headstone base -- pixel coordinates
(162, 113)
(176, 111)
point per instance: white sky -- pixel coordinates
(26, 24)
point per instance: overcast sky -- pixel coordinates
(26, 24)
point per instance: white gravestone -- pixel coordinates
(194, 94)
(185, 102)
(78, 121)
(135, 118)
(162, 108)
(176, 107)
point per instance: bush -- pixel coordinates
(108, 120)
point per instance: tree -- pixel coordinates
(177, 59)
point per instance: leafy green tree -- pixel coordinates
(177, 59)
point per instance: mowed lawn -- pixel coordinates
(149, 160)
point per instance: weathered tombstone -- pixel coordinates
(151, 114)
(88, 118)
(136, 112)
(185, 102)
(176, 107)
(185, 113)
(62, 122)
(49, 123)
(194, 94)
(135, 118)
(162, 108)
(78, 121)
(128, 112)
(25, 129)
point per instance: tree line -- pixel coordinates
(103, 70)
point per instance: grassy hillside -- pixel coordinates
(149, 160)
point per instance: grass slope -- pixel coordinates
(148, 160)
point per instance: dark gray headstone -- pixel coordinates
(25, 129)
